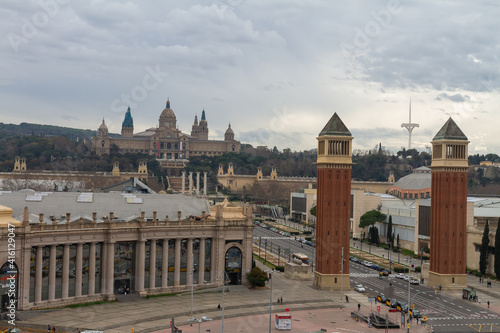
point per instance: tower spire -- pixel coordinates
(409, 126)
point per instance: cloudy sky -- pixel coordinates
(276, 70)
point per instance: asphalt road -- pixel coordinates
(277, 242)
(444, 313)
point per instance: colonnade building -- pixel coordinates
(76, 258)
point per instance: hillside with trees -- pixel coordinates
(59, 148)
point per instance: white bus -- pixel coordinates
(300, 257)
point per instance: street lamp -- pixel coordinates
(409, 304)
(270, 299)
(200, 320)
(192, 289)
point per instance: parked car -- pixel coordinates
(400, 275)
(392, 303)
(374, 267)
(402, 307)
(368, 264)
(381, 298)
(359, 288)
(406, 278)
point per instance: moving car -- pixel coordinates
(384, 272)
(400, 275)
(415, 314)
(414, 281)
(359, 288)
(381, 298)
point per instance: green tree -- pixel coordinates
(313, 211)
(257, 277)
(373, 235)
(497, 250)
(370, 218)
(484, 249)
(389, 231)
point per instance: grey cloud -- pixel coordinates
(457, 98)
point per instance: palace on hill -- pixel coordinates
(166, 141)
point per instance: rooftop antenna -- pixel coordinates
(409, 126)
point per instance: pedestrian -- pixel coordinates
(218, 307)
(53, 329)
(49, 329)
(281, 299)
(346, 299)
(359, 307)
(479, 300)
(488, 304)
(77, 330)
(440, 287)
(422, 281)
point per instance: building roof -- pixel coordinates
(450, 131)
(128, 121)
(335, 126)
(167, 112)
(125, 206)
(131, 185)
(419, 179)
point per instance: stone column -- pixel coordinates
(189, 264)
(141, 259)
(190, 183)
(164, 265)
(38, 274)
(104, 264)
(214, 271)
(197, 183)
(177, 263)
(92, 269)
(78, 268)
(152, 264)
(65, 272)
(201, 262)
(109, 268)
(52, 273)
(204, 183)
(183, 182)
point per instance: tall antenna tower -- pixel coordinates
(409, 126)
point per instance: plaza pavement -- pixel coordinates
(245, 310)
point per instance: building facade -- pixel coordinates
(166, 141)
(68, 261)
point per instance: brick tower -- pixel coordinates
(333, 210)
(449, 207)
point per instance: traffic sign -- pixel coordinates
(424, 318)
(378, 308)
(371, 299)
